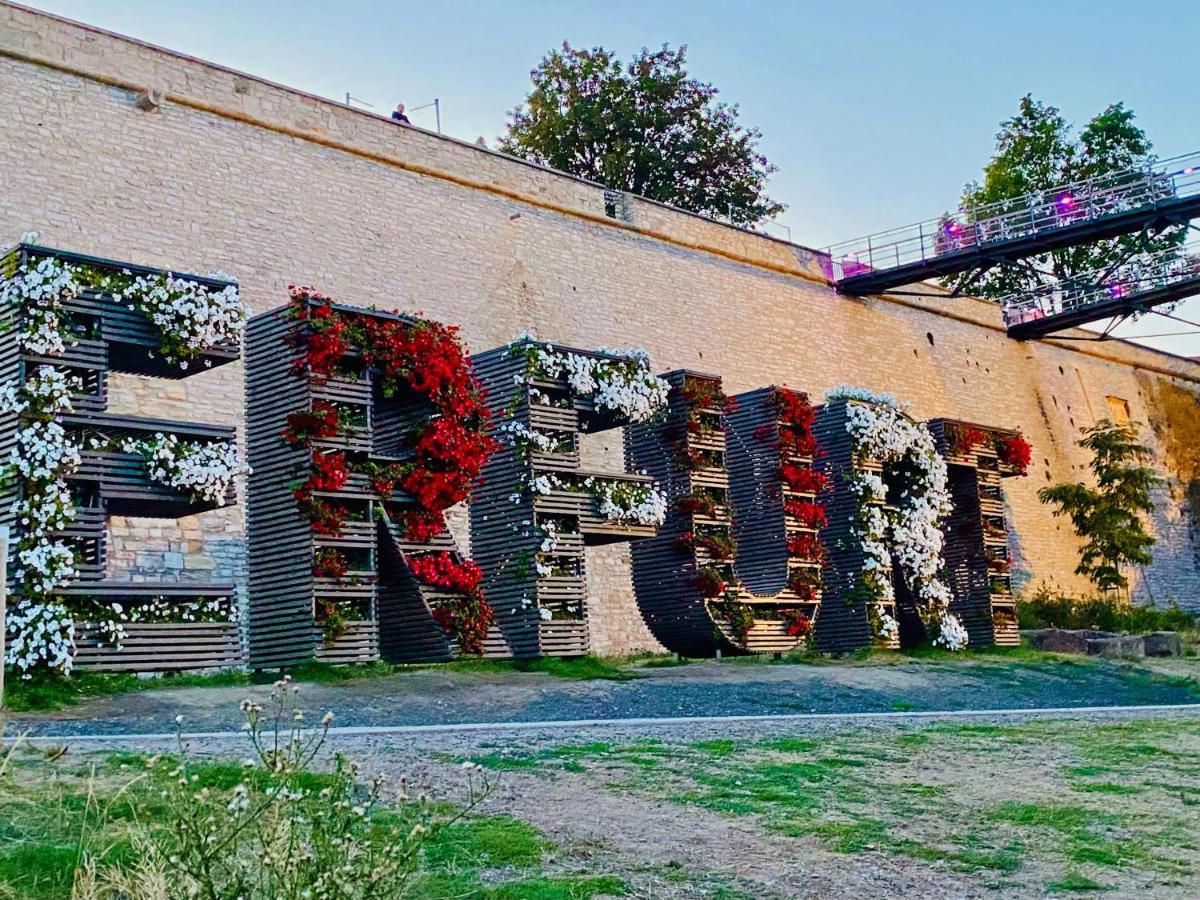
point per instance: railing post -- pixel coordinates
(870, 253)
(921, 238)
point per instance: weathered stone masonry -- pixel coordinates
(275, 186)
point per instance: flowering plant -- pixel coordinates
(965, 438)
(467, 616)
(1015, 451)
(329, 563)
(628, 501)
(204, 471)
(806, 513)
(710, 582)
(191, 317)
(909, 530)
(796, 622)
(622, 383)
(307, 425)
(41, 461)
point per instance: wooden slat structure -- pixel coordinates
(108, 335)
(730, 462)
(388, 612)
(977, 554)
(540, 614)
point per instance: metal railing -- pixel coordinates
(1093, 289)
(1035, 213)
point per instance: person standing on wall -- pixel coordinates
(399, 116)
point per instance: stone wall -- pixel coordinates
(275, 186)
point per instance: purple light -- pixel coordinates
(952, 227)
(1066, 200)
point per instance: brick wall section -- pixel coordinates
(275, 186)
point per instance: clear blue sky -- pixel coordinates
(876, 113)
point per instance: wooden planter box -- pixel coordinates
(360, 644)
(160, 647)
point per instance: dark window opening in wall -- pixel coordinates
(1061, 371)
(617, 205)
(929, 337)
(1118, 410)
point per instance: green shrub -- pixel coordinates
(1046, 608)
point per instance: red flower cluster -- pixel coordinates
(805, 583)
(965, 438)
(794, 408)
(802, 479)
(325, 341)
(1016, 452)
(695, 503)
(308, 425)
(329, 563)
(329, 472)
(444, 571)
(806, 546)
(806, 513)
(798, 624)
(466, 617)
(709, 583)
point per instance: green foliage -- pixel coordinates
(1036, 151)
(1047, 609)
(646, 127)
(1109, 516)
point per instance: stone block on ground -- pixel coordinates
(1163, 643)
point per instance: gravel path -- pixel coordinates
(436, 696)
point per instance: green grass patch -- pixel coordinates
(55, 692)
(1074, 882)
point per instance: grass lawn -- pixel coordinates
(1043, 806)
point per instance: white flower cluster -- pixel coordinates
(619, 500)
(43, 458)
(523, 438)
(39, 292)
(205, 471)
(40, 634)
(911, 532)
(111, 618)
(628, 501)
(193, 316)
(624, 385)
(951, 633)
(888, 628)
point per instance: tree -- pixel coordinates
(1036, 151)
(646, 127)
(1109, 516)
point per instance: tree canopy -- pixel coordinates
(646, 127)
(1038, 150)
(1109, 516)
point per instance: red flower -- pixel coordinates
(1015, 451)
(802, 479)
(798, 624)
(806, 546)
(329, 563)
(709, 583)
(806, 513)
(307, 425)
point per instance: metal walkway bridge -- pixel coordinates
(1146, 199)
(1117, 294)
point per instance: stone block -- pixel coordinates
(1163, 643)
(1127, 646)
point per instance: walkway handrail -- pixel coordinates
(1146, 185)
(1140, 275)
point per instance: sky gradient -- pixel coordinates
(876, 113)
